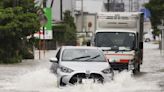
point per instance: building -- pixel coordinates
(56, 7)
(91, 6)
(89, 22)
(113, 5)
(124, 5)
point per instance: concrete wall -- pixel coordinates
(87, 18)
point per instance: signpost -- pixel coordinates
(46, 22)
(162, 42)
(161, 27)
(48, 25)
(45, 17)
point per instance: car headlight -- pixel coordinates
(65, 69)
(107, 71)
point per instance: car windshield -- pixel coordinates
(89, 55)
(121, 41)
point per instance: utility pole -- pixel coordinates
(161, 46)
(44, 41)
(61, 9)
(162, 39)
(82, 16)
(108, 6)
(131, 5)
(113, 3)
(52, 2)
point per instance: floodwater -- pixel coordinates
(35, 76)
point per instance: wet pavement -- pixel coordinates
(35, 76)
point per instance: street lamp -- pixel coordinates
(130, 5)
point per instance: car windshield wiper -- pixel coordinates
(124, 49)
(105, 48)
(93, 57)
(81, 57)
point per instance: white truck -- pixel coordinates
(120, 36)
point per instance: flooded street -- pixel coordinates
(35, 76)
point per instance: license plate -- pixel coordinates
(87, 81)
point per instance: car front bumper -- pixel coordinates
(72, 78)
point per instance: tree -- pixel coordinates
(18, 19)
(156, 8)
(67, 33)
(70, 33)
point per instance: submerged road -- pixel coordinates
(35, 76)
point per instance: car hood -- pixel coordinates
(85, 66)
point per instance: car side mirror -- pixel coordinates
(54, 60)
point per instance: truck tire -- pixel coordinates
(134, 71)
(138, 68)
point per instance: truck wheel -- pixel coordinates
(138, 68)
(134, 71)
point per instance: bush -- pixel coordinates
(27, 54)
(10, 60)
(18, 19)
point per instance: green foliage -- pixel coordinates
(156, 8)
(68, 19)
(70, 34)
(18, 19)
(59, 33)
(67, 33)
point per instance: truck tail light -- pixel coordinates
(124, 60)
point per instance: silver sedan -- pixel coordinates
(76, 64)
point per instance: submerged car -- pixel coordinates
(76, 64)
